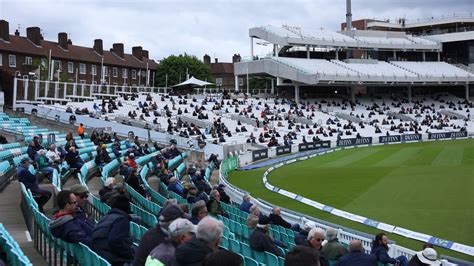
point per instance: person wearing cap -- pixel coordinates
(102, 157)
(156, 235)
(214, 205)
(380, 251)
(66, 224)
(179, 231)
(111, 236)
(209, 233)
(107, 188)
(333, 250)
(259, 240)
(198, 211)
(30, 181)
(427, 256)
(246, 204)
(357, 256)
(82, 193)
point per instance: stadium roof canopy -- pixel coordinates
(355, 39)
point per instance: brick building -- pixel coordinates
(24, 55)
(222, 74)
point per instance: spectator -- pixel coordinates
(102, 157)
(82, 193)
(333, 250)
(315, 240)
(53, 155)
(30, 181)
(208, 237)
(156, 235)
(223, 257)
(380, 251)
(179, 232)
(259, 239)
(302, 235)
(224, 197)
(80, 131)
(73, 159)
(44, 166)
(214, 204)
(66, 224)
(176, 187)
(111, 237)
(275, 218)
(246, 204)
(107, 188)
(117, 190)
(198, 211)
(301, 255)
(427, 256)
(357, 256)
(33, 148)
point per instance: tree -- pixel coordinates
(175, 68)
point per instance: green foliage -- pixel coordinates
(43, 64)
(175, 67)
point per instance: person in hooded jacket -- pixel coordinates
(208, 237)
(66, 224)
(111, 237)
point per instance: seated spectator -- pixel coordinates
(254, 216)
(208, 237)
(224, 197)
(30, 181)
(156, 235)
(301, 255)
(333, 250)
(223, 257)
(33, 148)
(179, 232)
(111, 237)
(302, 235)
(275, 218)
(102, 157)
(107, 188)
(53, 155)
(427, 256)
(82, 194)
(357, 256)
(44, 166)
(198, 211)
(73, 159)
(66, 224)
(246, 204)
(192, 192)
(259, 239)
(176, 187)
(380, 251)
(214, 204)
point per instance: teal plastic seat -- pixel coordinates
(260, 257)
(250, 262)
(271, 259)
(234, 245)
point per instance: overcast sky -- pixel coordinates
(218, 28)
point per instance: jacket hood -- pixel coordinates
(60, 221)
(192, 252)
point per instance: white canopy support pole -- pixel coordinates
(74, 89)
(297, 93)
(15, 87)
(65, 90)
(82, 89)
(56, 89)
(46, 88)
(307, 51)
(37, 84)
(26, 84)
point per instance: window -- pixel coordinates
(94, 70)
(114, 72)
(105, 71)
(11, 60)
(82, 68)
(1, 60)
(82, 81)
(219, 81)
(134, 74)
(241, 82)
(70, 67)
(60, 66)
(124, 73)
(28, 61)
(115, 83)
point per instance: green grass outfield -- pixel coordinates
(425, 187)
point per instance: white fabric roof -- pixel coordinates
(194, 81)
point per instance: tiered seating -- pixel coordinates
(14, 253)
(432, 69)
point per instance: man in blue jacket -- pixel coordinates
(357, 256)
(30, 181)
(66, 225)
(380, 251)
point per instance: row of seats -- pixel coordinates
(14, 253)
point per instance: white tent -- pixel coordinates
(194, 82)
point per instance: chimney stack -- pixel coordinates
(236, 58)
(34, 35)
(145, 54)
(216, 60)
(207, 59)
(4, 30)
(98, 46)
(62, 40)
(137, 52)
(118, 49)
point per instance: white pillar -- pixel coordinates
(15, 87)
(467, 91)
(273, 87)
(56, 89)
(26, 84)
(46, 88)
(37, 83)
(424, 56)
(297, 93)
(65, 89)
(74, 89)
(439, 56)
(395, 54)
(307, 51)
(337, 54)
(82, 89)
(236, 85)
(275, 50)
(251, 47)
